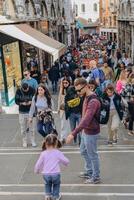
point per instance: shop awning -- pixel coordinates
(34, 37)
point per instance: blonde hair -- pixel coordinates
(130, 78)
(80, 81)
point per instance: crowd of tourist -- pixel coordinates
(95, 85)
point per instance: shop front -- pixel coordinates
(10, 72)
(12, 51)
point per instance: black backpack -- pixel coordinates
(103, 114)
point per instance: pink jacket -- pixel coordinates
(119, 86)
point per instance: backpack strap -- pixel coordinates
(96, 116)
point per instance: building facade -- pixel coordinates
(126, 27)
(108, 18)
(46, 16)
(86, 9)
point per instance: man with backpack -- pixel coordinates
(90, 128)
(96, 73)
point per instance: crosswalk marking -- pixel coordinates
(65, 152)
(117, 147)
(69, 185)
(68, 194)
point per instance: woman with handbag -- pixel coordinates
(65, 127)
(41, 107)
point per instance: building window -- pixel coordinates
(76, 10)
(110, 21)
(104, 21)
(95, 7)
(27, 7)
(82, 7)
(123, 10)
(1, 7)
(128, 8)
(115, 21)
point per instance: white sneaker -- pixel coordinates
(59, 198)
(48, 198)
(24, 144)
(34, 144)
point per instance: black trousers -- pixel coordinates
(131, 121)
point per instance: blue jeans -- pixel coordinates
(52, 185)
(40, 128)
(88, 149)
(54, 85)
(74, 120)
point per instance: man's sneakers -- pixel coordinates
(110, 143)
(24, 144)
(93, 181)
(114, 141)
(48, 198)
(34, 144)
(131, 133)
(59, 198)
(84, 175)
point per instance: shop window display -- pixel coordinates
(2, 93)
(12, 68)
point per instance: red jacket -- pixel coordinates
(89, 123)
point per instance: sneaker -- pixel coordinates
(125, 124)
(130, 133)
(110, 143)
(57, 198)
(48, 198)
(34, 144)
(93, 181)
(63, 141)
(114, 141)
(24, 144)
(84, 175)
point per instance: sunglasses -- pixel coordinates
(78, 91)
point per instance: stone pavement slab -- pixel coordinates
(18, 181)
(18, 169)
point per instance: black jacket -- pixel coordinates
(73, 103)
(36, 75)
(21, 97)
(117, 103)
(53, 74)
